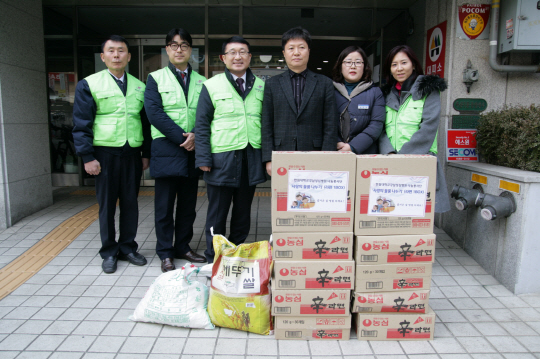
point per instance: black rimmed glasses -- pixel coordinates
(183, 46)
(357, 63)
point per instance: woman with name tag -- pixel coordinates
(413, 108)
(359, 102)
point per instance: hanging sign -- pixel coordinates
(473, 21)
(461, 145)
(436, 46)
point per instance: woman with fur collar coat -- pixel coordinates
(359, 102)
(413, 108)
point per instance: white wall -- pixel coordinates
(25, 170)
(497, 88)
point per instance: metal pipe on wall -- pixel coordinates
(493, 43)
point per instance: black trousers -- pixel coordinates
(183, 190)
(219, 201)
(120, 179)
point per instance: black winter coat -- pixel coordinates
(367, 112)
(226, 166)
(168, 158)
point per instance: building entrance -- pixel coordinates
(73, 35)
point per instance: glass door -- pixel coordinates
(152, 58)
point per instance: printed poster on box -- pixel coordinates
(397, 196)
(318, 191)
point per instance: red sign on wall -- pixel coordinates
(461, 145)
(473, 19)
(436, 49)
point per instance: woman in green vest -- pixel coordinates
(413, 108)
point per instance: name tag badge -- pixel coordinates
(363, 107)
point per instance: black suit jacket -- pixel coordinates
(312, 128)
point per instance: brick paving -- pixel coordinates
(71, 309)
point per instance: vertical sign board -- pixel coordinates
(473, 20)
(436, 48)
(461, 145)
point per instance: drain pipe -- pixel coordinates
(493, 35)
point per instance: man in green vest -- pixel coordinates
(228, 142)
(110, 130)
(170, 99)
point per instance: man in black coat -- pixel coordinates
(299, 108)
(116, 154)
(171, 97)
(228, 141)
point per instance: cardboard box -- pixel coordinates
(312, 246)
(413, 301)
(394, 249)
(327, 303)
(395, 326)
(306, 322)
(390, 277)
(312, 334)
(313, 275)
(313, 328)
(395, 194)
(324, 183)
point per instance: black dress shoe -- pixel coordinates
(133, 258)
(109, 264)
(167, 265)
(192, 257)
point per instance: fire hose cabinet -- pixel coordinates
(519, 25)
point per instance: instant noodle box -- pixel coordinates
(336, 246)
(312, 334)
(306, 302)
(313, 275)
(394, 249)
(391, 277)
(313, 328)
(395, 326)
(395, 194)
(413, 301)
(313, 191)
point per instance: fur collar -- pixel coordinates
(423, 86)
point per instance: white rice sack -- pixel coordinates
(175, 300)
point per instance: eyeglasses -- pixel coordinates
(174, 46)
(350, 63)
(233, 53)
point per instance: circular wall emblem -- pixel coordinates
(473, 24)
(366, 323)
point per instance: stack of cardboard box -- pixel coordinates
(312, 230)
(394, 247)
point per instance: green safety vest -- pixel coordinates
(403, 123)
(174, 100)
(236, 122)
(118, 117)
